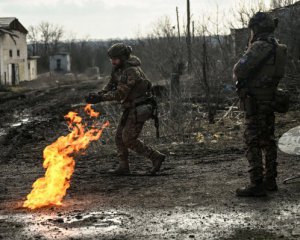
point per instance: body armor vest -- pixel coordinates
(266, 80)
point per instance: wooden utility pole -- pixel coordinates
(193, 31)
(188, 37)
(210, 109)
(178, 25)
(175, 95)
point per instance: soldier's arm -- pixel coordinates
(111, 85)
(251, 59)
(128, 81)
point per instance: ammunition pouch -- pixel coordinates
(143, 112)
(147, 109)
(281, 101)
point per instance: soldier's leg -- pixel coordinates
(254, 157)
(270, 150)
(254, 153)
(122, 150)
(130, 135)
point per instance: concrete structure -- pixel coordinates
(14, 66)
(60, 62)
(288, 30)
(32, 68)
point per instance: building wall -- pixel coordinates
(288, 30)
(2, 81)
(65, 63)
(32, 69)
(7, 45)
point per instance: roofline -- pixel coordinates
(33, 57)
(23, 29)
(62, 53)
(287, 6)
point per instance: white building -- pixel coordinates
(14, 63)
(60, 62)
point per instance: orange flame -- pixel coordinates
(88, 109)
(59, 162)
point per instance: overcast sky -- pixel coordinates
(103, 19)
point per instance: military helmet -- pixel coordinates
(262, 22)
(119, 50)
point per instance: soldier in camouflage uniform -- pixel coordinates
(130, 86)
(258, 73)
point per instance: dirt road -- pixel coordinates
(192, 197)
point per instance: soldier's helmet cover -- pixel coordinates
(262, 22)
(119, 50)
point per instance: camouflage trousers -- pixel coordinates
(127, 134)
(260, 140)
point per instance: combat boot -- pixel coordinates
(253, 190)
(123, 168)
(270, 184)
(157, 159)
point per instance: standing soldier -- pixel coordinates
(130, 86)
(257, 74)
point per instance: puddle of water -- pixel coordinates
(26, 120)
(21, 122)
(2, 132)
(22, 118)
(203, 223)
(78, 105)
(69, 226)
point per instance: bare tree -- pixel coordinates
(50, 35)
(161, 50)
(178, 24)
(33, 37)
(188, 37)
(245, 10)
(45, 39)
(212, 61)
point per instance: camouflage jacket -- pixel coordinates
(127, 84)
(262, 76)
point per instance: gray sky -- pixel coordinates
(103, 19)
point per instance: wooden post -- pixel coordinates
(188, 37)
(175, 94)
(210, 109)
(193, 31)
(178, 25)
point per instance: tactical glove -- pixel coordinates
(93, 98)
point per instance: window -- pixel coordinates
(18, 53)
(10, 53)
(28, 66)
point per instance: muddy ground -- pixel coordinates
(191, 198)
